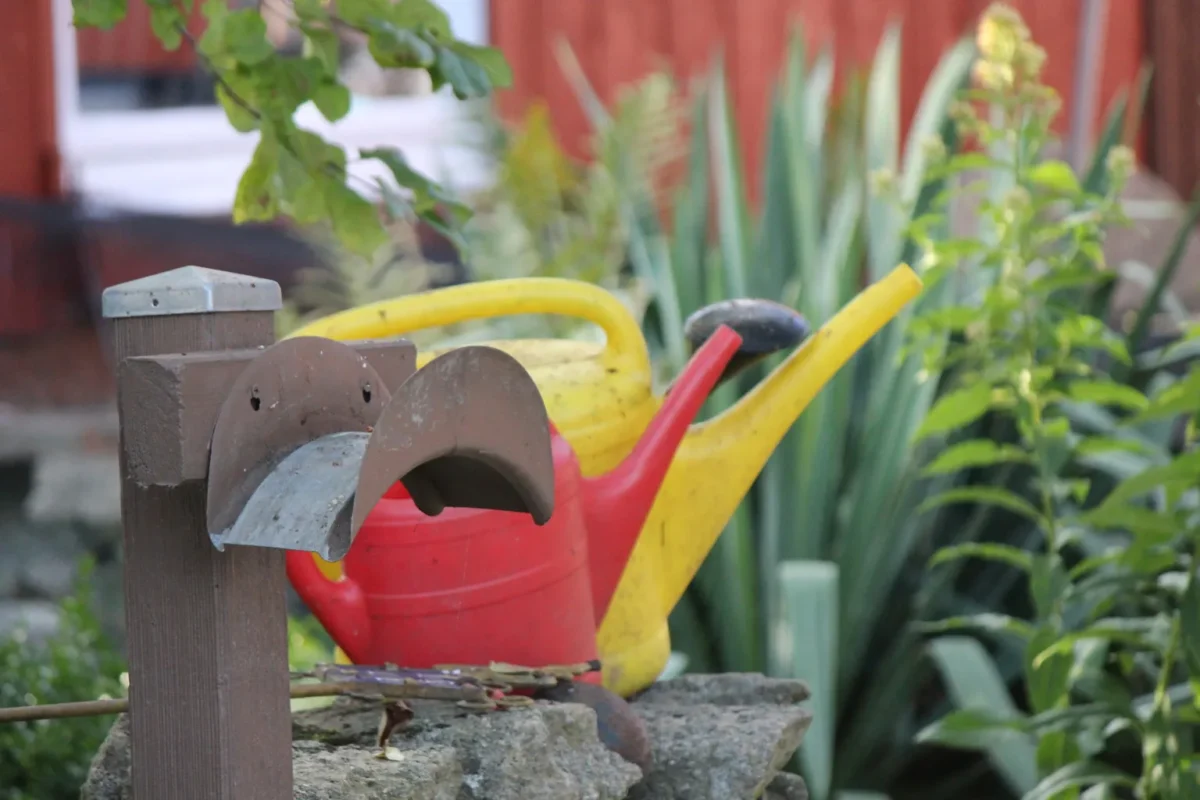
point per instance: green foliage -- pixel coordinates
(846, 473)
(546, 215)
(1110, 575)
(48, 760)
(294, 172)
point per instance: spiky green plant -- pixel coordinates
(803, 561)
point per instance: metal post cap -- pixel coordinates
(190, 290)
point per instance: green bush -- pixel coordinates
(49, 759)
(1107, 642)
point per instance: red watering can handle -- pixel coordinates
(338, 605)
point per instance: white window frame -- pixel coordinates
(188, 160)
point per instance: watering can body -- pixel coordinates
(471, 587)
(464, 587)
(600, 398)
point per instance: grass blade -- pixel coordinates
(882, 131)
(805, 642)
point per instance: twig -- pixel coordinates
(102, 708)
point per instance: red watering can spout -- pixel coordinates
(617, 503)
(339, 605)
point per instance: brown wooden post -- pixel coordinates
(207, 630)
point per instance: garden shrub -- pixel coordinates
(49, 759)
(1111, 639)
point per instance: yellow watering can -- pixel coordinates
(600, 398)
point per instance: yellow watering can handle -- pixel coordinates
(485, 299)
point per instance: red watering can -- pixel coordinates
(472, 586)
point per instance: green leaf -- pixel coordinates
(1165, 274)
(1181, 397)
(1046, 681)
(168, 21)
(490, 60)
(421, 15)
(465, 77)
(1189, 630)
(359, 13)
(257, 196)
(242, 118)
(322, 44)
(1139, 633)
(244, 35)
(1078, 775)
(987, 719)
(1095, 445)
(1047, 583)
(984, 495)
(989, 551)
(969, 729)
(332, 100)
(395, 47)
(1056, 176)
(808, 593)
(1108, 393)
(1184, 470)
(102, 14)
(1141, 521)
(975, 453)
(355, 220)
(956, 409)
(987, 621)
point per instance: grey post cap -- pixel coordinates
(190, 290)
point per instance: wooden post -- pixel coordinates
(206, 630)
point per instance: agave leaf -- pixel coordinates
(884, 220)
(972, 680)
(733, 227)
(1166, 273)
(804, 646)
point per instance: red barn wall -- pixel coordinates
(29, 165)
(619, 41)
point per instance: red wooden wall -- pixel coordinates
(27, 100)
(618, 41)
(131, 45)
(29, 163)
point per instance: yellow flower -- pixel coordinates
(992, 75)
(1001, 31)
(934, 149)
(1121, 161)
(881, 181)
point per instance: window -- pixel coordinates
(139, 127)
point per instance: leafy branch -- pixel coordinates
(295, 172)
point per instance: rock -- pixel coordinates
(726, 689)
(321, 772)
(710, 752)
(547, 752)
(713, 737)
(108, 777)
(721, 737)
(36, 620)
(786, 786)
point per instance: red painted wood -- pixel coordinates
(131, 46)
(749, 34)
(31, 297)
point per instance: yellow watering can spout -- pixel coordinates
(713, 470)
